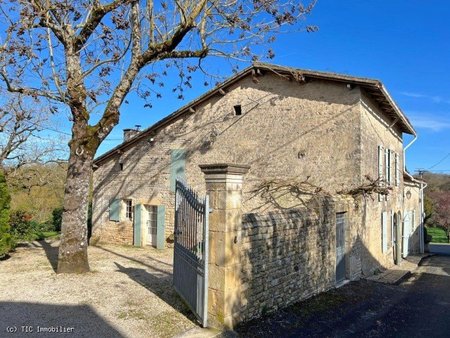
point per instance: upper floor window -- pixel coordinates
(238, 110)
(397, 170)
(387, 165)
(388, 169)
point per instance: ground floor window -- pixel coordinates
(129, 209)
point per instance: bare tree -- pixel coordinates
(88, 55)
(19, 123)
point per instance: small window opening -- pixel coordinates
(121, 166)
(129, 209)
(238, 110)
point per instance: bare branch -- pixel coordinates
(151, 22)
(94, 18)
(33, 92)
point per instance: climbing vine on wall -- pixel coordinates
(371, 187)
(287, 194)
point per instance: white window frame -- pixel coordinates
(397, 170)
(387, 158)
(128, 209)
(380, 170)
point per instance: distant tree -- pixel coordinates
(37, 188)
(428, 210)
(5, 236)
(88, 55)
(436, 182)
(24, 153)
(21, 120)
(441, 214)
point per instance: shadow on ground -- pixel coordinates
(161, 286)
(52, 254)
(141, 262)
(155, 279)
(26, 319)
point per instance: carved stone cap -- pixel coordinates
(224, 168)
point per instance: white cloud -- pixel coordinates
(435, 99)
(434, 122)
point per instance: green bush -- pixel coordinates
(57, 218)
(5, 237)
(24, 228)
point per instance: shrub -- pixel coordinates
(57, 218)
(5, 199)
(22, 226)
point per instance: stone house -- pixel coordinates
(322, 133)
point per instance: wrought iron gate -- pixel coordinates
(190, 259)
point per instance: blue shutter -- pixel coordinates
(137, 225)
(114, 210)
(177, 166)
(161, 227)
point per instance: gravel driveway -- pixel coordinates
(127, 294)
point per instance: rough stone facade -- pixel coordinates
(286, 130)
(321, 133)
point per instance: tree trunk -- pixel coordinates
(72, 257)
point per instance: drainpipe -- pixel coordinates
(422, 218)
(404, 151)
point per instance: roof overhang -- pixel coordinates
(373, 87)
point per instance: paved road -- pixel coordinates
(440, 248)
(419, 307)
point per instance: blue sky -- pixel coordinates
(405, 44)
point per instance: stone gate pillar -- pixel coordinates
(224, 187)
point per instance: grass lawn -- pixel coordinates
(438, 234)
(46, 234)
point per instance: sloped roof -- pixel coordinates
(373, 87)
(408, 178)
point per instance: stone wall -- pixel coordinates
(287, 131)
(116, 232)
(286, 256)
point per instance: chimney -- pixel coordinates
(128, 134)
